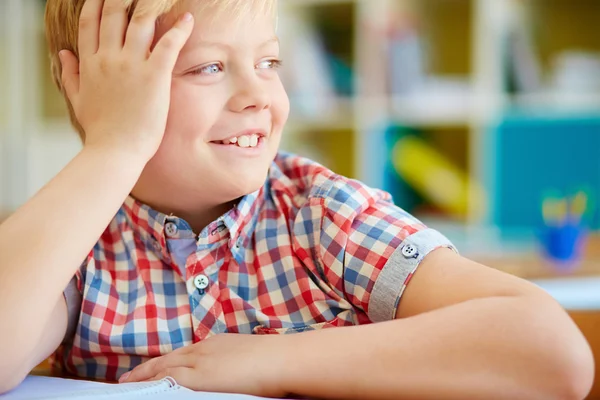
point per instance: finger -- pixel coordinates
(70, 73)
(184, 376)
(89, 27)
(167, 49)
(113, 25)
(185, 349)
(155, 366)
(141, 30)
(142, 371)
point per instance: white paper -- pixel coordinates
(576, 293)
(38, 387)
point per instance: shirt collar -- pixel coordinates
(146, 221)
(156, 227)
(241, 221)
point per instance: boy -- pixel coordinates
(200, 230)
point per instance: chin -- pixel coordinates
(247, 182)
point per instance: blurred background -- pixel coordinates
(481, 117)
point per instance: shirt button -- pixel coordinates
(171, 229)
(201, 282)
(409, 251)
(220, 228)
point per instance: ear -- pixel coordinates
(70, 74)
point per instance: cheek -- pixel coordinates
(281, 105)
(190, 114)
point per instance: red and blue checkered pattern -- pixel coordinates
(304, 252)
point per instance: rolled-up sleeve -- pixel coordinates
(375, 247)
(397, 271)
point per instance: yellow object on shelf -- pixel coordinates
(436, 178)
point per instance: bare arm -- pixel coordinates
(54, 333)
(120, 93)
(44, 242)
(465, 332)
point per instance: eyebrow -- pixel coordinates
(205, 43)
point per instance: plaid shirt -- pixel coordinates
(309, 250)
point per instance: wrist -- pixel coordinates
(283, 359)
(115, 160)
(297, 359)
(130, 157)
(316, 363)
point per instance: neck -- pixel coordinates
(200, 219)
(197, 217)
(194, 208)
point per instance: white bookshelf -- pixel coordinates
(36, 140)
(469, 108)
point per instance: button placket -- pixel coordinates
(201, 282)
(204, 271)
(159, 251)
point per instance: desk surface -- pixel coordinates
(531, 265)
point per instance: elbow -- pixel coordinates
(565, 367)
(10, 381)
(571, 368)
(576, 371)
(12, 373)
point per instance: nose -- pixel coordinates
(249, 95)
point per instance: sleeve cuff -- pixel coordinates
(394, 276)
(73, 298)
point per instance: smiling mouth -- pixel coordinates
(244, 141)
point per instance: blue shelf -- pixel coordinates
(530, 155)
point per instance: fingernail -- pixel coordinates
(124, 377)
(187, 17)
(60, 55)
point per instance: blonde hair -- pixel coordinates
(62, 25)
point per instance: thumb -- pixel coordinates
(70, 73)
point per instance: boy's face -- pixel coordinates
(225, 87)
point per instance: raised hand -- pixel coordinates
(120, 85)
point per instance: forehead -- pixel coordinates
(230, 25)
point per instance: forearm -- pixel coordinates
(44, 242)
(493, 348)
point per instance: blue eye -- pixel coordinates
(211, 69)
(269, 64)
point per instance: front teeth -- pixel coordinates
(245, 141)
(253, 140)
